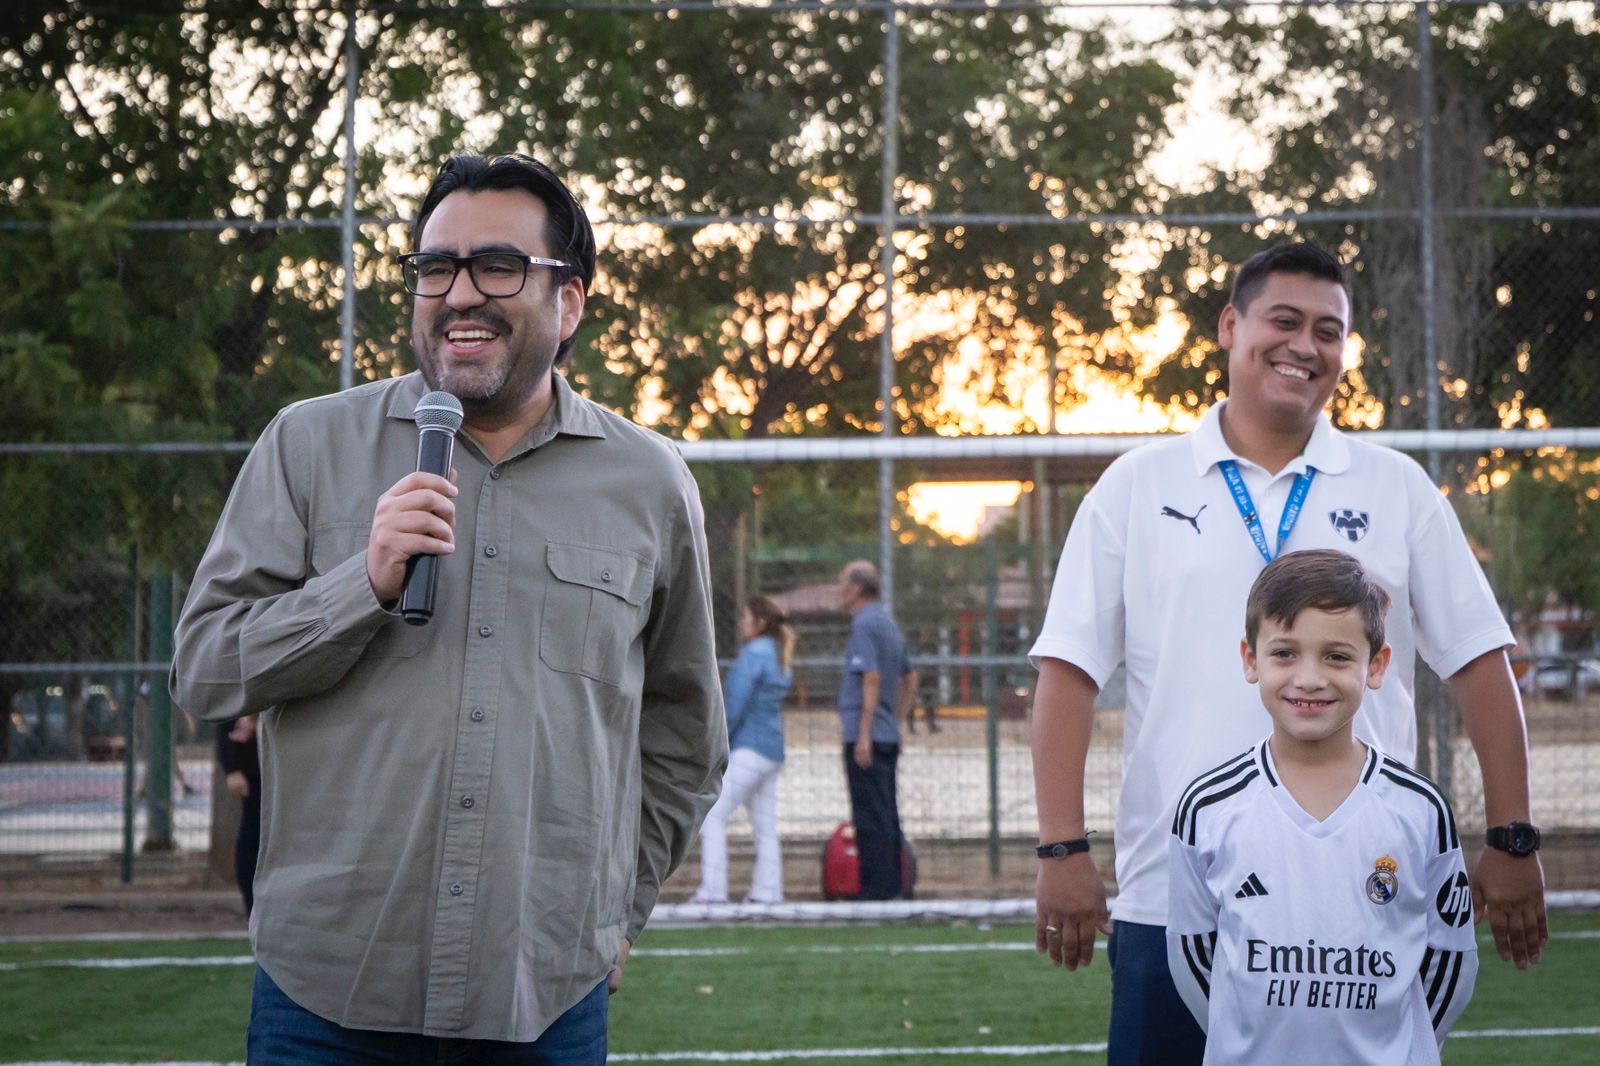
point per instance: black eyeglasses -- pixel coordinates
(496, 274)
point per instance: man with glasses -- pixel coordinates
(466, 824)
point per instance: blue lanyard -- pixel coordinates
(1247, 506)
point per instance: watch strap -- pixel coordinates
(1060, 849)
(1514, 838)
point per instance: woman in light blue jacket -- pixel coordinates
(754, 691)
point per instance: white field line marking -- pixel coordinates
(801, 1054)
(663, 953)
(678, 953)
(131, 964)
(1585, 1030)
(841, 949)
(699, 915)
(994, 1051)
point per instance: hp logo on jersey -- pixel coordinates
(1349, 524)
(1454, 901)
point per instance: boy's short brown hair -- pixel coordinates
(1320, 578)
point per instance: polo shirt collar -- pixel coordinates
(1327, 450)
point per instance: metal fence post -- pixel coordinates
(1437, 708)
(347, 223)
(158, 762)
(129, 685)
(991, 691)
(886, 365)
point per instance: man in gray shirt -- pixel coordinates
(875, 694)
(466, 824)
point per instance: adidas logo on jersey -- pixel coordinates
(1252, 887)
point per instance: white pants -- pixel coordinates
(751, 782)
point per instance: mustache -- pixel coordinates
(483, 316)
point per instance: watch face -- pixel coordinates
(1524, 839)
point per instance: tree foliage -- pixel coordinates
(117, 118)
(1335, 91)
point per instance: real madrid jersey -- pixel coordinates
(1337, 941)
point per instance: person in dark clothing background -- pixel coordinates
(875, 695)
(236, 753)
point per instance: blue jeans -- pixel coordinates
(283, 1033)
(1150, 1023)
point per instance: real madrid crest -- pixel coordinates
(1383, 885)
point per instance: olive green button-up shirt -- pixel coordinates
(461, 821)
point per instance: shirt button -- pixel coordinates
(477, 714)
(494, 474)
(467, 802)
(456, 889)
(605, 575)
(486, 631)
(491, 551)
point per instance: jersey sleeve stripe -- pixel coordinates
(1187, 835)
(1194, 954)
(1236, 765)
(1407, 778)
(1442, 990)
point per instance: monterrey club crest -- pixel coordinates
(1454, 901)
(1349, 524)
(1383, 885)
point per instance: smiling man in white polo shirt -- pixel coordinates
(1155, 572)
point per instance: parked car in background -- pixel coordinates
(1554, 677)
(37, 724)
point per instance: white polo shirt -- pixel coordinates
(1155, 573)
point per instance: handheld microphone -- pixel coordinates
(439, 415)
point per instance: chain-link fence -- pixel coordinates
(1053, 193)
(95, 759)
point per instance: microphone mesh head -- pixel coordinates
(439, 410)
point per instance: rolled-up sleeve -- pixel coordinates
(258, 627)
(683, 740)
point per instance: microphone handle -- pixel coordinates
(434, 449)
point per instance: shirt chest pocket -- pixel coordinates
(336, 542)
(594, 609)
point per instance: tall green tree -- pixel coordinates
(116, 119)
(1335, 92)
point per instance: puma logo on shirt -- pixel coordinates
(1193, 521)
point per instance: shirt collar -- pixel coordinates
(1327, 450)
(404, 396)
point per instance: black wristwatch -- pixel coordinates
(1062, 848)
(1514, 838)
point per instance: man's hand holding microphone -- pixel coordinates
(415, 520)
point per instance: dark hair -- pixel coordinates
(1301, 257)
(1322, 579)
(772, 621)
(864, 576)
(567, 229)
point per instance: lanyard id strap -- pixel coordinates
(1247, 506)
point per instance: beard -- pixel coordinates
(474, 383)
(469, 384)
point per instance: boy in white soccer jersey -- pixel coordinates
(1319, 908)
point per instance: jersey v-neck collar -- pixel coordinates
(1298, 815)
